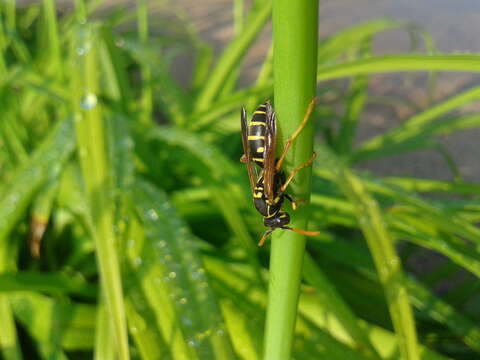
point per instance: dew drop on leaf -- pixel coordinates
(152, 214)
(89, 101)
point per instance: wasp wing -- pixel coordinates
(270, 153)
(247, 158)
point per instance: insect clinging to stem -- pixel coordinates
(268, 188)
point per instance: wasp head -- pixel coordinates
(280, 220)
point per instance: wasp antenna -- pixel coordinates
(304, 232)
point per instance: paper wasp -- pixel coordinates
(259, 146)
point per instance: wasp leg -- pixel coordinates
(265, 236)
(290, 140)
(296, 170)
(293, 201)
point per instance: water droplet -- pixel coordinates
(127, 143)
(220, 332)
(137, 261)
(172, 275)
(152, 214)
(162, 243)
(120, 42)
(84, 49)
(193, 343)
(13, 198)
(89, 101)
(56, 169)
(183, 301)
(187, 321)
(394, 262)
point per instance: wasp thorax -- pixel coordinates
(279, 220)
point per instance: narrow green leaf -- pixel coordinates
(181, 274)
(233, 54)
(344, 40)
(399, 63)
(9, 344)
(380, 243)
(44, 165)
(45, 320)
(52, 283)
(332, 301)
(92, 149)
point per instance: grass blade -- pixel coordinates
(418, 121)
(188, 303)
(344, 40)
(399, 63)
(386, 260)
(92, 147)
(233, 54)
(9, 344)
(44, 165)
(332, 301)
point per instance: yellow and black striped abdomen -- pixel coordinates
(256, 135)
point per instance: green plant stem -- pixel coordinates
(295, 39)
(92, 148)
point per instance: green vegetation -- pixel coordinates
(126, 222)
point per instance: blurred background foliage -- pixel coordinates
(109, 167)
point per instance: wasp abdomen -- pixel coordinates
(256, 134)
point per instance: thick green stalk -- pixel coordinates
(92, 148)
(295, 40)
